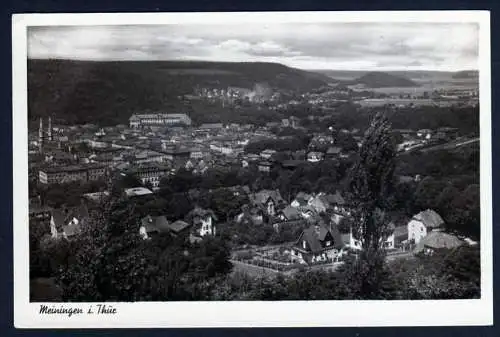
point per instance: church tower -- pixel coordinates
(40, 136)
(49, 130)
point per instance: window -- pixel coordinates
(328, 243)
(304, 245)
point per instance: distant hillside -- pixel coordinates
(377, 79)
(341, 75)
(414, 75)
(109, 92)
(466, 74)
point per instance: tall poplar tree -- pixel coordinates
(371, 182)
(370, 186)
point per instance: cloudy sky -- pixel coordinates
(345, 46)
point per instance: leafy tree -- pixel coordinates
(346, 142)
(466, 212)
(225, 204)
(427, 193)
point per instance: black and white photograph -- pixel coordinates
(229, 168)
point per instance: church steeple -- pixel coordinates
(40, 130)
(40, 136)
(49, 130)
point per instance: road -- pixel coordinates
(446, 146)
(451, 145)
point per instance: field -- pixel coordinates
(426, 86)
(426, 80)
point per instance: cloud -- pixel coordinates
(439, 46)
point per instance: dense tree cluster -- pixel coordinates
(69, 194)
(111, 262)
(350, 116)
(446, 275)
(449, 185)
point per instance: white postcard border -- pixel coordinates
(251, 313)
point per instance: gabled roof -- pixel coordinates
(429, 218)
(307, 209)
(291, 213)
(314, 235)
(155, 223)
(263, 196)
(178, 226)
(438, 240)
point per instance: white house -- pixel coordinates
(315, 156)
(423, 223)
(388, 243)
(351, 242)
(203, 221)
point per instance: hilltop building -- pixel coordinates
(158, 119)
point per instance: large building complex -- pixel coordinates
(159, 119)
(151, 173)
(64, 174)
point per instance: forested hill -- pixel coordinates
(83, 91)
(466, 74)
(376, 79)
